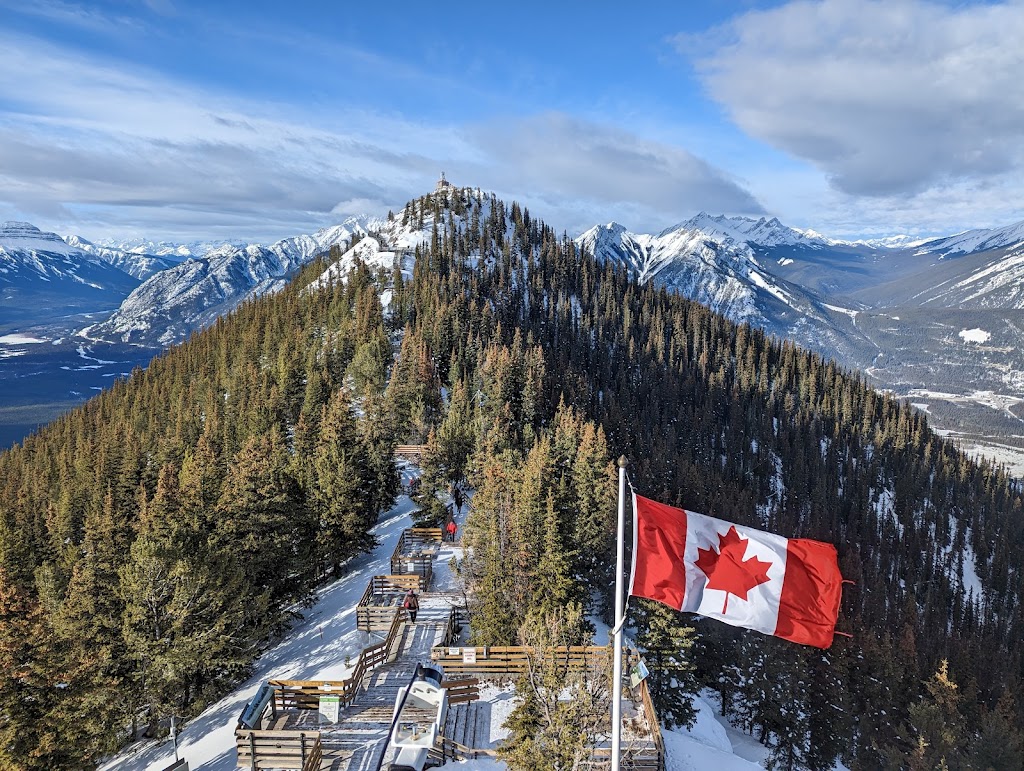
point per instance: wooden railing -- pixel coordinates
(652, 721)
(448, 749)
(494, 661)
(409, 555)
(462, 691)
(498, 661)
(305, 694)
(373, 617)
(299, 750)
(456, 617)
(411, 451)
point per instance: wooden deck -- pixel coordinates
(289, 734)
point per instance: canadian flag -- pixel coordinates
(788, 587)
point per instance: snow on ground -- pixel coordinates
(84, 351)
(318, 646)
(974, 335)
(709, 745)
(847, 311)
(16, 339)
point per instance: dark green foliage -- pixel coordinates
(558, 364)
(667, 640)
(154, 540)
(720, 419)
(561, 713)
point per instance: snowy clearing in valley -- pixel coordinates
(974, 335)
(16, 339)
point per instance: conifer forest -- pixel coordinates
(154, 541)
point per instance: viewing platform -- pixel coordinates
(345, 725)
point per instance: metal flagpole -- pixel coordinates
(617, 649)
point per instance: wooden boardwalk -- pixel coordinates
(358, 740)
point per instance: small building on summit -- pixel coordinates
(443, 185)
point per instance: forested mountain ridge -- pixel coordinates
(190, 295)
(250, 461)
(724, 420)
(934, 320)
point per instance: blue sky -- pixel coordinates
(259, 120)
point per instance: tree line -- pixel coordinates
(252, 461)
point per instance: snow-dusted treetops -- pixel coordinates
(253, 460)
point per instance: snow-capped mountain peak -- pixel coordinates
(34, 261)
(977, 240)
(27, 237)
(192, 294)
(756, 232)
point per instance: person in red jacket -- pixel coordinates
(411, 604)
(450, 530)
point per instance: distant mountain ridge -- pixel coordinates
(903, 310)
(171, 250)
(190, 295)
(934, 320)
(42, 277)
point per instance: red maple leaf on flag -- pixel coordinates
(726, 569)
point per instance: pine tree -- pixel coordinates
(938, 723)
(1000, 742)
(263, 523)
(342, 490)
(27, 689)
(666, 643)
(561, 713)
(99, 683)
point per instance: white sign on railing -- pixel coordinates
(469, 655)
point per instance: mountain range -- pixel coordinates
(934, 320)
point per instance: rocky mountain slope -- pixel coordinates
(936, 321)
(43, 278)
(167, 307)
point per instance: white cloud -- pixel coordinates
(887, 97)
(601, 166)
(88, 146)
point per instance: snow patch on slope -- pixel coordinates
(974, 335)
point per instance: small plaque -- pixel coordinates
(469, 655)
(454, 651)
(637, 674)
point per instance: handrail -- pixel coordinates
(369, 659)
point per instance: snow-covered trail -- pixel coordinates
(313, 649)
(316, 648)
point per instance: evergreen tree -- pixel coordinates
(264, 525)
(666, 644)
(938, 723)
(343, 484)
(561, 713)
(27, 690)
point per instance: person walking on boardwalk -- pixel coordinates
(450, 529)
(411, 604)
(457, 498)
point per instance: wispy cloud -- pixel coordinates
(87, 145)
(605, 165)
(85, 17)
